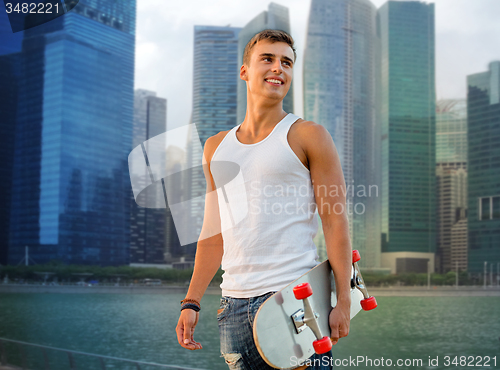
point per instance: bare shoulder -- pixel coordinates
(320, 152)
(309, 128)
(212, 143)
(307, 138)
(309, 134)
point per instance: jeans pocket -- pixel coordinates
(223, 308)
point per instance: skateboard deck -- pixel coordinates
(280, 334)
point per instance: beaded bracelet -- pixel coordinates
(189, 300)
(191, 306)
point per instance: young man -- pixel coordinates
(290, 168)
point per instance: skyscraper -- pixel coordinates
(10, 46)
(175, 190)
(214, 79)
(276, 17)
(483, 132)
(71, 187)
(451, 184)
(214, 99)
(340, 62)
(408, 122)
(147, 225)
(10, 42)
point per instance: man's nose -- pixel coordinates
(277, 67)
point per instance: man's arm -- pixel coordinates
(329, 190)
(209, 252)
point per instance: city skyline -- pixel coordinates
(162, 29)
(412, 65)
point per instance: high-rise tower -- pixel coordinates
(10, 47)
(148, 225)
(340, 64)
(71, 187)
(408, 123)
(483, 132)
(214, 102)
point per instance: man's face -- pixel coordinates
(270, 71)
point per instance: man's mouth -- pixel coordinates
(273, 81)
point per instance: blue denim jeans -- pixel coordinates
(238, 348)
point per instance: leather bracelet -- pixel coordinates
(191, 306)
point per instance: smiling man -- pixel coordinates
(267, 250)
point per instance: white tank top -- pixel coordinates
(270, 243)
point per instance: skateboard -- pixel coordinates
(292, 324)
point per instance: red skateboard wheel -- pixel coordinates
(368, 304)
(322, 345)
(355, 256)
(302, 291)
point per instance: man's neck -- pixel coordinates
(260, 119)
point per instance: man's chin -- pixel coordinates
(280, 95)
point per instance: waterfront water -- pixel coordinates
(142, 327)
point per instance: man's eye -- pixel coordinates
(266, 58)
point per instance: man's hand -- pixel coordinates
(185, 329)
(339, 319)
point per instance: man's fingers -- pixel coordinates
(334, 335)
(180, 337)
(339, 324)
(180, 333)
(343, 332)
(185, 330)
(187, 334)
(196, 344)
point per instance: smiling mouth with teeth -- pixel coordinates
(274, 82)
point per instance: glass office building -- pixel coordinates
(214, 79)
(148, 225)
(215, 75)
(71, 188)
(339, 82)
(10, 42)
(483, 110)
(408, 122)
(10, 46)
(275, 17)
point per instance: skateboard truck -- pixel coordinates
(307, 317)
(369, 303)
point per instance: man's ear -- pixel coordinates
(243, 72)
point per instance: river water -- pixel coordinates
(142, 327)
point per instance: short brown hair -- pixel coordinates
(271, 35)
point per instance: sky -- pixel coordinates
(467, 39)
